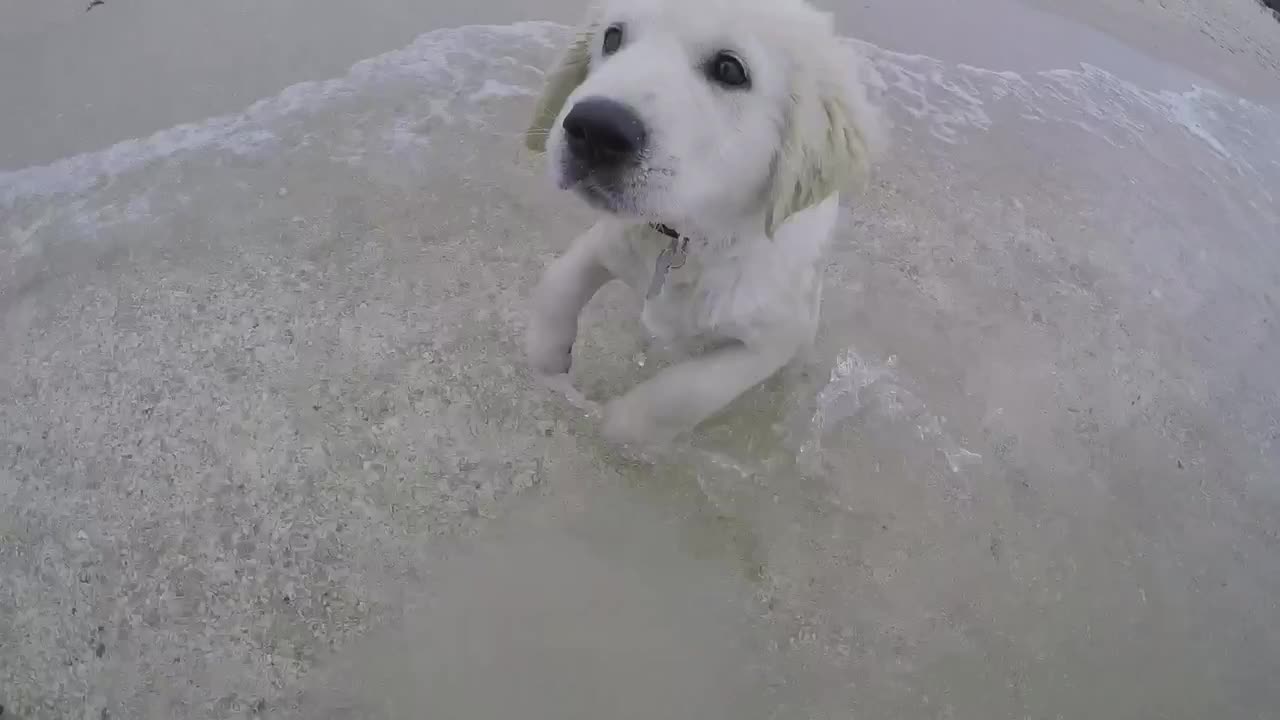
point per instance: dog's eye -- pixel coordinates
(727, 70)
(612, 40)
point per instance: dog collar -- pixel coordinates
(666, 230)
(673, 256)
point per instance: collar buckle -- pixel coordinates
(672, 257)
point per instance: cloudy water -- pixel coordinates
(270, 446)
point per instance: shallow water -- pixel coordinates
(272, 448)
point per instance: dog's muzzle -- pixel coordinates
(602, 136)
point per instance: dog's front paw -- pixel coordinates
(630, 422)
(548, 358)
(563, 385)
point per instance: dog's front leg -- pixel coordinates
(682, 396)
(566, 287)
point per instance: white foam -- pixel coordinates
(858, 387)
(495, 89)
(953, 101)
(251, 131)
(949, 101)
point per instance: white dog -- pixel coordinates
(714, 136)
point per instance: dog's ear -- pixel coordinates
(827, 140)
(560, 82)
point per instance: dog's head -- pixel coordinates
(683, 110)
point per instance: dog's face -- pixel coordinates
(677, 110)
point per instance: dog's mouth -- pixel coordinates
(605, 198)
(599, 197)
(620, 190)
(611, 191)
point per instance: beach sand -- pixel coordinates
(268, 447)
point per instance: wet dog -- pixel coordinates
(714, 138)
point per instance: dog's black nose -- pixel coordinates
(603, 133)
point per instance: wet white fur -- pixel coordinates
(752, 176)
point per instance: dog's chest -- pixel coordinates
(678, 303)
(696, 292)
(747, 290)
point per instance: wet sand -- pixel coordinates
(268, 447)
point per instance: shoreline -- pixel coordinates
(74, 86)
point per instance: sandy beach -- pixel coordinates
(268, 447)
